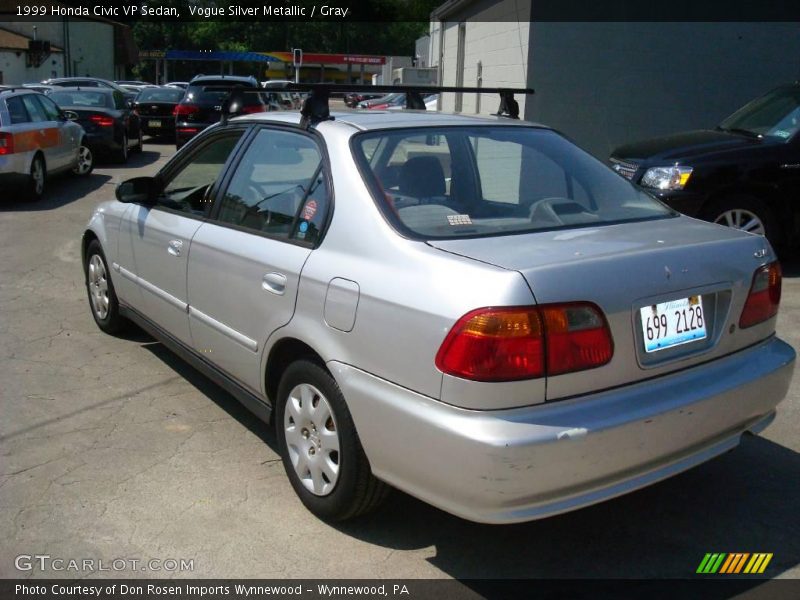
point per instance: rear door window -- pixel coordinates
(34, 109)
(279, 188)
(16, 110)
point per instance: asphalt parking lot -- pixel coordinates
(113, 448)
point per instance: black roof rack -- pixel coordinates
(315, 108)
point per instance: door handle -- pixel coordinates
(274, 282)
(175, 247)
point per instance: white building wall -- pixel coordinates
(91, 44)
(12, 65)
(498, 35)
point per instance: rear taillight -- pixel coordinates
(102, 120)
(494, 344)
(6, 143)
(184, 110)
(577, 337)
(764, 297)
(507, 344)
(249, 110)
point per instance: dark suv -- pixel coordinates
(745, 173)
(202, 104)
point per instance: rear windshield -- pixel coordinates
(160, 95)
(82, 98)
(452, 182)
(197, 92)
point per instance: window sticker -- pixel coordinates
(459, 220)
(309, 210)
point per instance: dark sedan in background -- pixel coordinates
(90, 82)
(202, 104)
(156, 109)
(745, 173)
(112, 128)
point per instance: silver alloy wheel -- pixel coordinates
(37, 173)
(98, 286)
(312, 439)
(84, 161)
(739, 218)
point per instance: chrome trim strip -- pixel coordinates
(237, 337)
(156, 291)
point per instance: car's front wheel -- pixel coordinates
(102, 297)
(745, 213)
(319, 446)
(85, 162)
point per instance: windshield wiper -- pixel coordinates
(739, 130)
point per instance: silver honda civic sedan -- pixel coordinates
(471, 310)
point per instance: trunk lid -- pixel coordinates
(155, 109)
(623, 268)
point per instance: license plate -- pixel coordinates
(673, 323)
(154, 123)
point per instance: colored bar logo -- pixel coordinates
(734, 563)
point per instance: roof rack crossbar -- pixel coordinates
(315, 107)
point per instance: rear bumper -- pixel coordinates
(184, 131)
(14, 167)
(103, 143)
(523, 464)
(167, 126)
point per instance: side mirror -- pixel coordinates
(139, 190)
(70, 115)
(129, 103)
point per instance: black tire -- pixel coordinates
(140, 146)
(122, 153)
(737, 209)
(84, 154)
(110, 322)
(34, 187)
(355, 491)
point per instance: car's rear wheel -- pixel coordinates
(319, 446)
(102, 297)
(85, 162)
(122, 153)
(746, 213)
(36, 179)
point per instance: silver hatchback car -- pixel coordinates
(472, 310)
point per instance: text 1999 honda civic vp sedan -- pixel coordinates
(472, 310)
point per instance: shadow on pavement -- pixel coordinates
(59, 191)
(135, 159)
(744, 501)
(210, 389)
